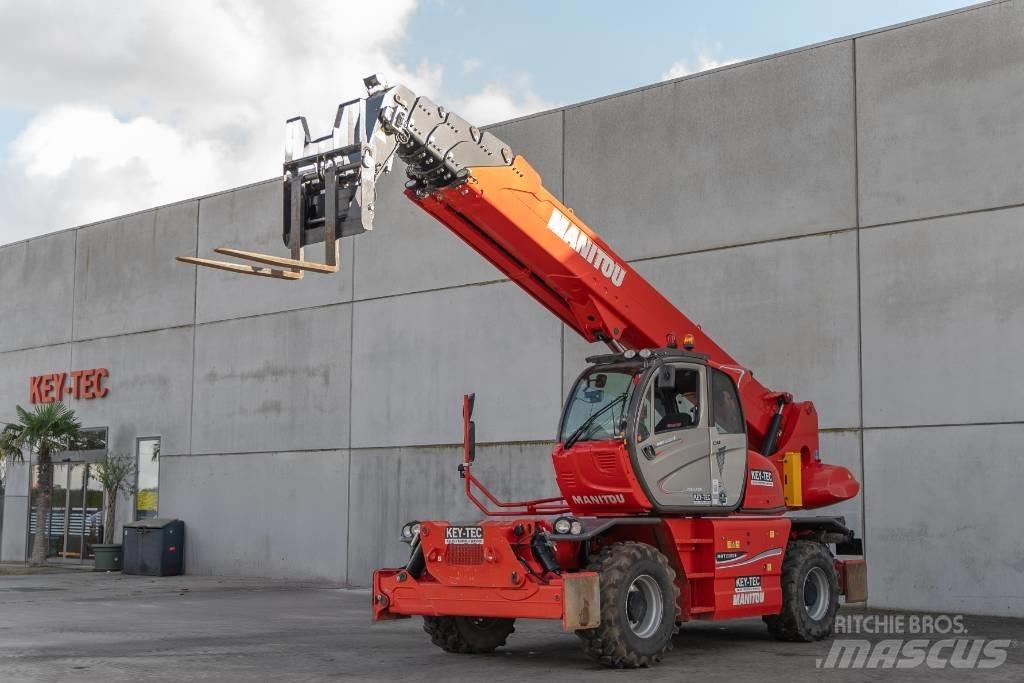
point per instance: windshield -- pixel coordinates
(598, 404)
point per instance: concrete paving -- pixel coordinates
(108, 627)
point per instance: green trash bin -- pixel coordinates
(109, 557)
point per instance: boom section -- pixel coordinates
(495, 201)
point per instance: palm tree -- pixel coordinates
(48, 429)
(114, 472)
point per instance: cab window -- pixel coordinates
(598, 404)
(671, 402)
(728, 416)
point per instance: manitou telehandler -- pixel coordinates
(676, 466)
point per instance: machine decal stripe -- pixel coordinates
(760, 556)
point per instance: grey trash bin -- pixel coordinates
(154, 547)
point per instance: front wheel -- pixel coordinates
(468, 635)
(810, 594)
(639, 606)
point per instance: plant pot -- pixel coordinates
(108, 557)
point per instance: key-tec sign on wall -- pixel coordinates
(77, 384)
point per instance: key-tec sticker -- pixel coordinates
(762, 477)
(748, 584)
(748, 591)
(464, 535)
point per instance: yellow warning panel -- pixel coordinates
(792, 487)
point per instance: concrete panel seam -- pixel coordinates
(561, 179)
(195, 307)
(449, 446)
(71, 341)
(92, 339)
(309, 451)
(955, 214)
(880, 428)
(74, 287)
(561, 346)
(270, 314)
(860, 299)
(351, 360)
(738, 245)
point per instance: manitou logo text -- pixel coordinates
(585, 247)
(739, 599)
(609, 499)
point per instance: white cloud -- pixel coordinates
(705, 62)
(496, 102)
(155, 102)
(470, 65)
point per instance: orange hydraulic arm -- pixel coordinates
(496, 202)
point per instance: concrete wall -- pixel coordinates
(845, 218)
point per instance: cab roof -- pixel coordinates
(666, 353)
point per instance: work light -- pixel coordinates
(409, 531)
(568, 525)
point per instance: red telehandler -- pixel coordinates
(676, 466)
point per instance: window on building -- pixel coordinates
(147, 487)
(95, 445)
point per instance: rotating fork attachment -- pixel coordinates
(328, 188)
(330, 182)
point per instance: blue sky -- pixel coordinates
(117, 106)
(575, 50)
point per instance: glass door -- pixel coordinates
(93, 513)
(73, 499)
(56, 524)
(74, 523)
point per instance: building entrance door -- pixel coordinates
(76, 512)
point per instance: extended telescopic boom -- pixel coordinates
(496, 202)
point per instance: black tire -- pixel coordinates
(639, 606)
(468, 635)
(810, 594)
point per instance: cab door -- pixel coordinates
(672, 437)
(728, 433)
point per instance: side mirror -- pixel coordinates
(468, 429)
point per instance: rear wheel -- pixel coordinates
(468, 635)
(639, 606)
(810, 594)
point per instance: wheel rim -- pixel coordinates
(481, 623)
(816, 593)
(644, 606)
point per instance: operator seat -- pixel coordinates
(673, 421)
